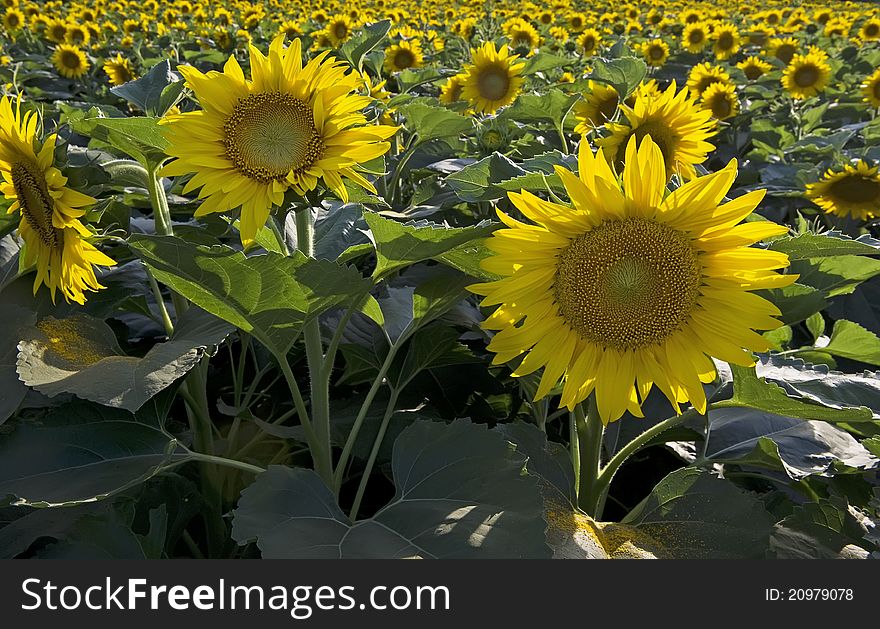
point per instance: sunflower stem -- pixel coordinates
(319, 383)
(590, 432)
(374, 453)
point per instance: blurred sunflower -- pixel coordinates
(675, 122)
(806, 76)
(597, 107)
(705, 74)
(118, 70)
(77, 35)
(852, 192)
(339, 28)
(721, 100)
(870, 30)
(695, 37)
(403, 55)
(290, 29)
(13, 19)
(783, 49)
(629, 287)
(589, 41)
(726, 41)
(56, 31)
(451, 90)
(871, 89)
(754, 67)
(655, 52)
(577, 22)
(493, 78)
(287, 127)
(53, 235)
(70, 61)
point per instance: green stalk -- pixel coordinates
(590, 432)
(374, 453)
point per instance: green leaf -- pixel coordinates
(477, 182)
(432, 122)
(431, 347)
(434, 298)
(623, 74)
(797, 302)
(695, 515)
(548, 460)
(850, 340)
(809, 245)
(402, 244)
(270, 296)
(819, 530)
(80, 355)
(835, 275)
(551, 107)
(800, 448)
(753, 392)
(81, 452)
(137, 137)
(542, 61)
(155, 92)
(461, 493)
(363, 41)
(13, 390)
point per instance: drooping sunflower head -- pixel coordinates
(403, 55)
(118, 70)
(852, 192)
(451, 90)
(655, 52)
(631, 286)
(721, 100)
(695, 37)
(783, 49)
(703, 75)
(493, 79)
(70, 61)
(598, 107)
(754, 67)
(675, 122)
(726, 41)
(871, 89)
(288, 127)
(806, 76)
(49, 211)
(589, 41)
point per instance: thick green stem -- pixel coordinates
(374, 453)
(222, 461)
(590, 432)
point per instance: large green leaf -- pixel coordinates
(623, 74)
(809, 245)
(155, 92)
(79, 354)
(850, 340)
(402, 244)
(432, 122)
(820, 530)
(753, 392)
(270, 296)
(694, 515)
(461, 493)
(81, 452)
(551, 107)
(138, 137)
(800, 448)
(363, 41)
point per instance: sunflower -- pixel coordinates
(577, 22)
(655, 52)
(118, 70)
(286, 128)
(56, 31)
(721, 100)
(630, 287)
(705, 74)
(290, 29)
(871, 89)
(783, 49)
(77, 35)
(695, 37)
(523, 35)
(806, 76)
(451, 90)
(675, 122)
(493, 78)
(70, 61)
(339, 28)
(49, 210)
(851, 192)
(726, 41)
(754, 67)
(598, 107)
(403, 55)
(589, 41)
(13, 19)
(870, 30)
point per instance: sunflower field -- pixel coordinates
(323, 279)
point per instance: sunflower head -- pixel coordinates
(598, 107)
(70, 61)
(676, 124)
(754, 67)
(403, 55)
(806, 76)
(50, 212)
(630, 286)
(451, 90)
(871, 89)
(721, 100)
(695, 37)
(589, 41)
(118, 70)
(726, 41)
(493, 79)
(783, 49)
(655, 52)
(703, 75)
(288, 127)
(852, 192)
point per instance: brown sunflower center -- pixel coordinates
(785, 53)
(872, 30)
(627, 284)
(695, 36)
(753, 72)
(70, 60)
(36, 203)
(271, 134)
(608, 107)
(725, 41)
(721, 107)
(404, 59)
(877, 89)
(340, 30)
(656, 52)
(806, 76)
(856, 189)
(588, 42)
(665, 139)
(493, 83)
